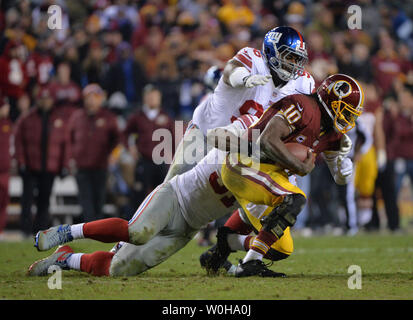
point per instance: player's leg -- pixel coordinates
(191, 149)
(130, 259)
(365, 176)
(233, 232)
(114, 229)
(266, 186)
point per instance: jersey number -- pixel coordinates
(292, 114)
(220, 189)
(249, 107)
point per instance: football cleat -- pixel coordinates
(256, 268)
(215, 257)
(58, 258)
(117, 246)
(53, 237)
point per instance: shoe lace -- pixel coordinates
(62, 235)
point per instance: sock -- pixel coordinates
(260, 246)
(74, 261)
(107, 230)
(77, 231)
(252, 255)
(96, 263)
(248, 242)
(236, 241)
(235, 223)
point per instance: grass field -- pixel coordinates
(318, 269)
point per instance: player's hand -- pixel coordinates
(256, 80)
(308, 164)
(345, 167)
(345, 145)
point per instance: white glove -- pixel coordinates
(345, 145)
(256, 80)
(345, 168)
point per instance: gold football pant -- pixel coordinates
(259, 188)
(366, 173)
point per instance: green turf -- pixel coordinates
(316, 270)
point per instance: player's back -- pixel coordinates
(201, 193)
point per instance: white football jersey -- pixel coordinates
(226, 103)
(201, 194)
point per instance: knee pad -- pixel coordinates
(284, 215)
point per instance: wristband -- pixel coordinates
(236, 78)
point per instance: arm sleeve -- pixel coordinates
(244, 56)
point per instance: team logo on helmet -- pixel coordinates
(342, 89)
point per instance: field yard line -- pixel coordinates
(351, 250)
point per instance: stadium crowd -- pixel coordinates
(117, 70)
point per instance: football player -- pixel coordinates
(270, 202)
(171, 215)
(251, 82)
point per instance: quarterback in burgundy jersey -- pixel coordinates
(319, 122)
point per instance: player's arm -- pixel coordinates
(228, 138)
(237, 75)
(340, 166)
(272, 148)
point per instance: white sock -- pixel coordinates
(74, 261)
(77, 231)
(252, 255)
(236, 241)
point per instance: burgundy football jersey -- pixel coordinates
(303, 115)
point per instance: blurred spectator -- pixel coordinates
(126, 76)
(67, 93)
(403, 149)
(235, 12)
(368, 164)
(39, 151)
(92, 135)
(94, 65)
(143, 124)
(39, 65)
(13, 77)
(386, 176)
(386, 64)
(362, 140)
(5, 134)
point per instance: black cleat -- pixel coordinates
(215, 257)
(256, 268)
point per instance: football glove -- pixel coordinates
(256, 80)
(345, 167)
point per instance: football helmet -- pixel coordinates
(212, 77)
(284, 52)
(342, 97)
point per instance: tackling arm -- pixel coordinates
(237, 76)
